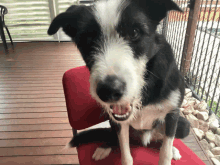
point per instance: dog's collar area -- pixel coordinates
(121, 112)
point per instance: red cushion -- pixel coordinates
(83, 111)
(141, 155)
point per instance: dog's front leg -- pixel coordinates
(123, 136)
(166, 149)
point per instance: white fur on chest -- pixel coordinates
(144, 119)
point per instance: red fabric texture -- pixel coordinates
(83, 112)
(141, 155)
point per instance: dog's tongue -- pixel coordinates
(121, 109)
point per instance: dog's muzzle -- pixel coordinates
(111, 90)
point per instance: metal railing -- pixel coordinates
(195, 38)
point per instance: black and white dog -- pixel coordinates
(133, 74)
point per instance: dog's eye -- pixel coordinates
(134, 35)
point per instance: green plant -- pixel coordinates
(214, 107)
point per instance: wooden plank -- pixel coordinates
(31, 92)
(34, 79)
(31, 76)
(32, 68)
(25, 85)
(34, 121)
(30, 88)
(41, 100)
(36, 134)
(37, 127)
(34, 142)
(33, 110)
(30, 105)
(45, 61)
(201, 155)
(207, 162)
(33, 115)
(21, 81)
(189, 139)
(32, 97)
(37, 151)
(30, 71)
(55, 159)
(193, 146)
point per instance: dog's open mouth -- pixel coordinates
(121, 112)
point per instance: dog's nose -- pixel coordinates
(111, 89)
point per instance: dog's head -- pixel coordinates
(116, 40)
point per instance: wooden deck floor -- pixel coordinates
(34, 126)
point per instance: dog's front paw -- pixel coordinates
(127, 161)
(101, 153)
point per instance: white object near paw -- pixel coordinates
(101, 153)
(176, 153)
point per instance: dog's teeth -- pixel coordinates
(121, 116)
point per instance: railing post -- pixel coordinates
(190, 35)
(53, 14)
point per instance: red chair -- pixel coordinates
(83, 112)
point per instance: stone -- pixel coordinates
(182, 109)
(209, 153)
(205, 144)
(197, 102)
(214, 124)
(215, 161)
(217, 131)
(213, 129)
(193, 121)
(201, 122)
(202, 115)
(217, 140)
(195, 112)
(191, 102)
(187, 90)
(189, 94)
(201, 106)
(210, 137)
(217, 157)
(184, 104)
(212, 118)
(204, 126)
(188, 110)
(216, 151)
(199, 133)
(212, 144)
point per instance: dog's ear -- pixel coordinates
(60, 21)
(170, 5)
(157, 9)
(68, 21)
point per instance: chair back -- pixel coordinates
(83, 110)
(3, 11)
